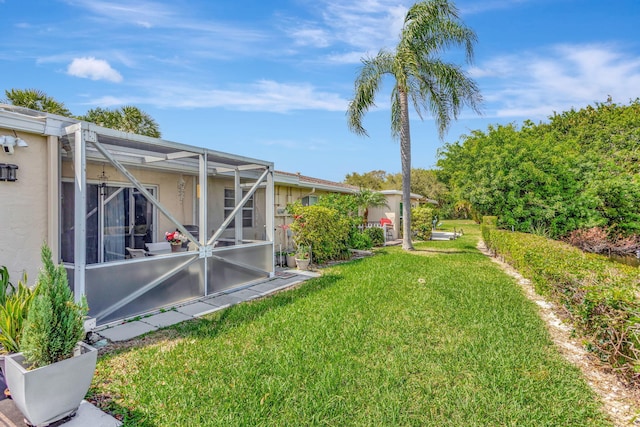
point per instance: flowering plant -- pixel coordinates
(303, 252)
(175, 238)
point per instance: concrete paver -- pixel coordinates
(246, 294)
(166, 318)
(126, 331)
(224, 300)
(198, 309)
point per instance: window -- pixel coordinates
(247, 209)
(309, 200)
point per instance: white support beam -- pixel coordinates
(80, 211)
(269, 222)
(180, 155)
(238, 216)
(153, 159)
(240, 168)
(201, 193)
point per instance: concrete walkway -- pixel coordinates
(205, 305)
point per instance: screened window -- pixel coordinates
(309, 200)
(247, 209)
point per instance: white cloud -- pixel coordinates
(263, 96)
(535, 84)
(364, 25)
(94, 69)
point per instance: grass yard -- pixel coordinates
(438, 337)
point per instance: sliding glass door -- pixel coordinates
(117, 217)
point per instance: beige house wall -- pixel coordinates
(24, 207)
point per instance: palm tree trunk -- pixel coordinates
(405, 156)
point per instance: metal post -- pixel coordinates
(80, 209)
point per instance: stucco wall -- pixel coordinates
(23, 208)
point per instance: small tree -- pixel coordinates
(322, 228)
(55, 323)
(422, 222)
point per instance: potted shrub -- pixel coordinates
(303, 257)
(53, 372)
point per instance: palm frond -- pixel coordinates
(367, 85)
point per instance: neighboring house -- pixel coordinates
(291, 187)
(101, 197)
(393, 210)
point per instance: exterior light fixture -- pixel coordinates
(4, 171)
(11, 172)
(103, 178)
(9, 142)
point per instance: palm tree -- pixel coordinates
(369, 199)
(127, 119)
(36, 100)
(442, 88)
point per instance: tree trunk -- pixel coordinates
(405, 156)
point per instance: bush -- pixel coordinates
(598, 241)
(322, 228)
(13, 314)
(376, 235)
(422, 222)
(488, 224)
(55, 323)
(599, 296)
(361, 240)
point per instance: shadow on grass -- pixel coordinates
(444, 251)
(128, 417)
(225, 319)
(237, 315)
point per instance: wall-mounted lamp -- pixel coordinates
(8, 172)
(8, 143)
(103, 178)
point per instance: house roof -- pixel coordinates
(298, 180)
(127, 147)
(413, 196)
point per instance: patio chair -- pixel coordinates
(135, 253)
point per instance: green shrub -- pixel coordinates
(55, 323)
(322, 228)
(13, 314)
(361, 240)
(422, 222)
(376, 234)
(597, 294)
(488, 224)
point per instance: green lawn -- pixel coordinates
(438, 337)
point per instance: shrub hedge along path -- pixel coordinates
(620, 401)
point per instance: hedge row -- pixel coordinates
(600, 296)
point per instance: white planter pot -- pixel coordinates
(303, 264)
(50, 393)
(291, 261)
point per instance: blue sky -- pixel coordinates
(272, 79)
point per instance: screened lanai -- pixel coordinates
(121, 193)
